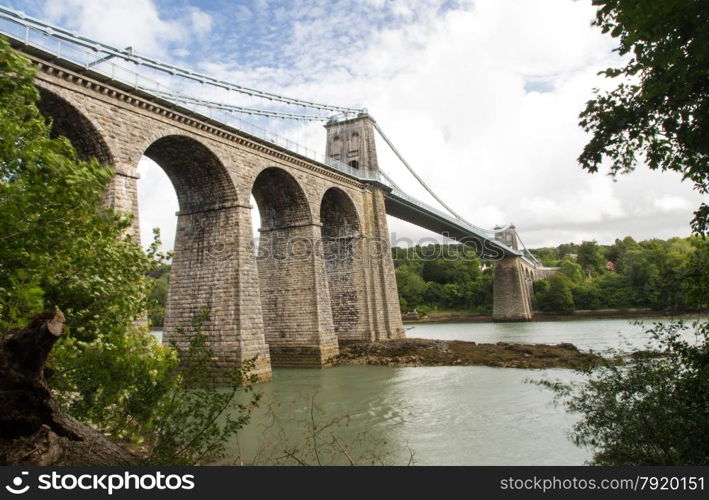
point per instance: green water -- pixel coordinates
(471, 415)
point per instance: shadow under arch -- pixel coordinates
(200, 179)
(73, 124)
(280, 199)
(341, 232)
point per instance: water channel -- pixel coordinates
(456, 415)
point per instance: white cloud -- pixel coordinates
(201, 21)
(482, 98)
(670, 203)
(136, 23)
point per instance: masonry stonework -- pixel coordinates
(328, 273)
(512, 297)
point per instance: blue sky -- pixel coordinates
(482, 96)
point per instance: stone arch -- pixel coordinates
(200, 179)
(338, 214)
(281, 200)
(70, 122)
(292, 277)
(340, 232)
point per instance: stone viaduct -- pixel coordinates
(322, 269)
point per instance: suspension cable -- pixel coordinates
(184, 99)
(413, 172)
(526, 250)
(390, 180)
(72, 37)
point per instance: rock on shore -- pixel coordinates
(428, 352)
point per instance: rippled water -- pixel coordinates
(469, 415)
(596, 334)
(450, 415)
(446, 415)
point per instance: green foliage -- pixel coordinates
(451, 266)
(59, 248)
(650, 274)
(114, 382)
(441, 277)
(572, 270)
(660, 108)
(557, 297)
(696, 282)
(157, 299)
(411, 286)
(588, 295)
(652, 411)
(617, 292)
(193, 421)
(591, 257)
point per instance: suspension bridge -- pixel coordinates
(316, 278)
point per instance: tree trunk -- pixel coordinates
(33, 430)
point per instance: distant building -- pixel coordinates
(610, 266)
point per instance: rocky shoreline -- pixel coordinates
(429, 352)
(473, 317)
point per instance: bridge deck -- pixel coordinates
(409, 209)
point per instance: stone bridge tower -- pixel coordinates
(512, 284)
(351, 141)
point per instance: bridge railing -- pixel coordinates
(75, 49)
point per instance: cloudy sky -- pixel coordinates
(481, 96)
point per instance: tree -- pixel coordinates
(33, 429)
(617, 292)
(696, 279)
(591, 257)
(587, 295)
(157, 299)
(572, 270)
(558, 296)
(60, 248)
(451, 265)
(652, 411)
(660, 108)
(411, 286)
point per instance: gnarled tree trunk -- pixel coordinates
(33, 430)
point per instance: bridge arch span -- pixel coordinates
(341, 235)
(292, 277)
(281, 200)
(200, 179)
(76, 125)
(214, 168)
(209, 252)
